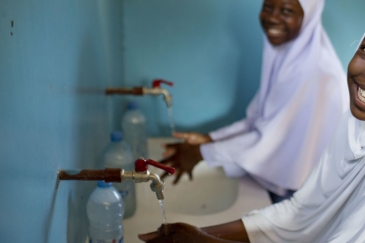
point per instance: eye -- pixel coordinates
(267, 7)
(287, 11)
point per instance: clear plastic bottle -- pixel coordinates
(105, 212)
(134, 129)
(119, 155)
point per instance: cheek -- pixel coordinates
(295, 27)
(356, 67)
(294, 24)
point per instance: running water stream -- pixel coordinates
(171, 119)
(163, 212)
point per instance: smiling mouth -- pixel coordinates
(275, 32)
(361, 94)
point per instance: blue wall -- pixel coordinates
(57, 57)
(211, 49)
(55, 53)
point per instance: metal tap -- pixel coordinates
(139, 175)
(155, 90)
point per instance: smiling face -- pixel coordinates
(356, 83)
(281, 20)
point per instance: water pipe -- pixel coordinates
(140, 174)
(155, 90)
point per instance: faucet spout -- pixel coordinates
(157, 185)
(159, 91)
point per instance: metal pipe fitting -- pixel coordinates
(159, 91)
(157, 185)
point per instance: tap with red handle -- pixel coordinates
(140, 174)
(155, 90)
(141, 166)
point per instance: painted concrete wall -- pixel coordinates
(211, 49)
(52, 54)
(56, 57)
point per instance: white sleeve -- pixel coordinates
(231, 130)
(320, 207)
(286, 141)
(261, 228)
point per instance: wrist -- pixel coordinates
(197, 152)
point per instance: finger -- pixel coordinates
(182, 135)
(166, 161)
(164, 175)
(173, 228)
(178, 176)
(149, 236)
(164, 229)
(169, 152)
(162, 239)
(192, 138)
(171, 145)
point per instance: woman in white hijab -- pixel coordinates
(291, 118)
(329, 207)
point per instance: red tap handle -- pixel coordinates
(157, 83)
(141, 165)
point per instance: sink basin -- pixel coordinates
(210, 199)
(209, 192)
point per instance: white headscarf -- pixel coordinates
(301, 98)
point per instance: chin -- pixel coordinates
(357, 113)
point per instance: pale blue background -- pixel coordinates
(57, 52)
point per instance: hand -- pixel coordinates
(193, 137)
(177, 233)
(183, 157)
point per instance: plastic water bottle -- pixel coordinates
(105, 212)
(119, 155)
(134, 128)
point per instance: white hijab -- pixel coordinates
(301, 98)
(330, 206)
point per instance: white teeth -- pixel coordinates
(361, 94)
(275, 31)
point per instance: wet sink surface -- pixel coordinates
(210, 192)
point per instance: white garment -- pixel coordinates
(301, 99)
(330, 207)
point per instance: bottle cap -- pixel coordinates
(132, 105)
(116, 136)
(104, 184)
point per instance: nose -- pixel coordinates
(273, 18)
